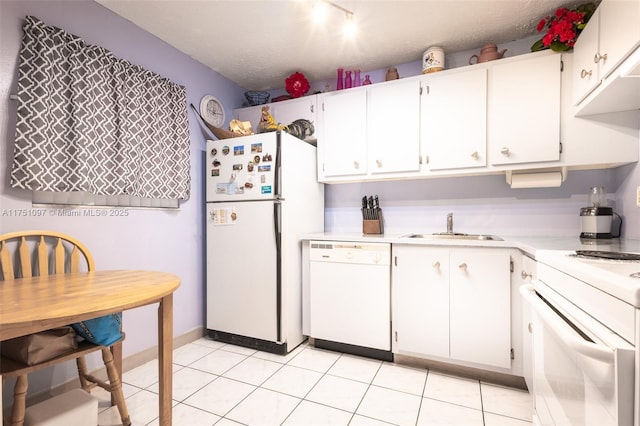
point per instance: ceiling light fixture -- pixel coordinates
(320, 11)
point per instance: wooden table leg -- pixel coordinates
(165, 357)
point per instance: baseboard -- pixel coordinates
(128, 363)
(502, 379)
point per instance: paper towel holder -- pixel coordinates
(542, 183)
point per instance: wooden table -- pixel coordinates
(29, 305)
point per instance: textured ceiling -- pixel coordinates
(258, 43)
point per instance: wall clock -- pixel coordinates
(212, 111)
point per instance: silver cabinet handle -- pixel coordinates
(584, 73)
(436, 264)
(475, 155)
(356, 165)
(379, 163)
(505, 151)
(598, 57)
(525, 275)
(462, 266)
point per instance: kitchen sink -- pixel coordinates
(454, 236)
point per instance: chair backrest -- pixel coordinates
(31, 253)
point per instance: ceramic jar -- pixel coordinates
(392, 74)
(432, 60)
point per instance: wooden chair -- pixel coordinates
(55, 253)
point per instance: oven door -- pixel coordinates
(583, 373)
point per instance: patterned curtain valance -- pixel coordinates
(87, 121)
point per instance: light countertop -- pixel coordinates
(528, 245)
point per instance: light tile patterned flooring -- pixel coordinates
(220, 384)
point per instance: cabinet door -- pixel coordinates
(480, 306)
(251, 114)
(393, 116)
(420, 299)
(342, 143)
(524, 110)
(283, 112)
(286, 112)
(619, 32)
(585, 70)
(454, 120)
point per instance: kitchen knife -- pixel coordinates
(370, 203)
(376, 208)
(364, 207)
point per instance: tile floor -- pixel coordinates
(220, 384)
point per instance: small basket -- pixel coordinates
(256, 97)
(222, 133)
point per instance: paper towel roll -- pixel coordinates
(536, 180)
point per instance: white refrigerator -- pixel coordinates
(262, 193)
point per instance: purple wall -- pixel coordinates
(171, 241)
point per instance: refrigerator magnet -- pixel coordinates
(248, 185)
(215, 172)
(214, 152)
(267, 157)
(221, 188)
(256, 147)
(264, 168)
(256, 159)
(250, 166)
(225, 150)
(266, 189)
(237, 167)
(238, 150)
(216, 162)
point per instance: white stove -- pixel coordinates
(615, 273)
(586, 337)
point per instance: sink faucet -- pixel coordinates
(450, 223)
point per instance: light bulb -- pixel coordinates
(349, 25)
(319, 11)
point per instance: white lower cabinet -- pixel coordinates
(452, 303)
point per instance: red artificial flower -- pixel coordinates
(563, 27)
(297, 85)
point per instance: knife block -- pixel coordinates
(373, 226)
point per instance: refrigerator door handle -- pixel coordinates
(278, 165)
(278, 237)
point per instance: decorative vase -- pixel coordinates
(348, 82)
(339, 83)
(356, 78)
(366, 80)
(392, 74)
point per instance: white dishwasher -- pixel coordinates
(350, 297)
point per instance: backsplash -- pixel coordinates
(483, 204)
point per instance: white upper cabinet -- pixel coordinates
(453, 120)
(342, 133)
(284, 112)
(619, 32)
(585, 70)
(611, 35)
(393, 117)
(524, 110)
